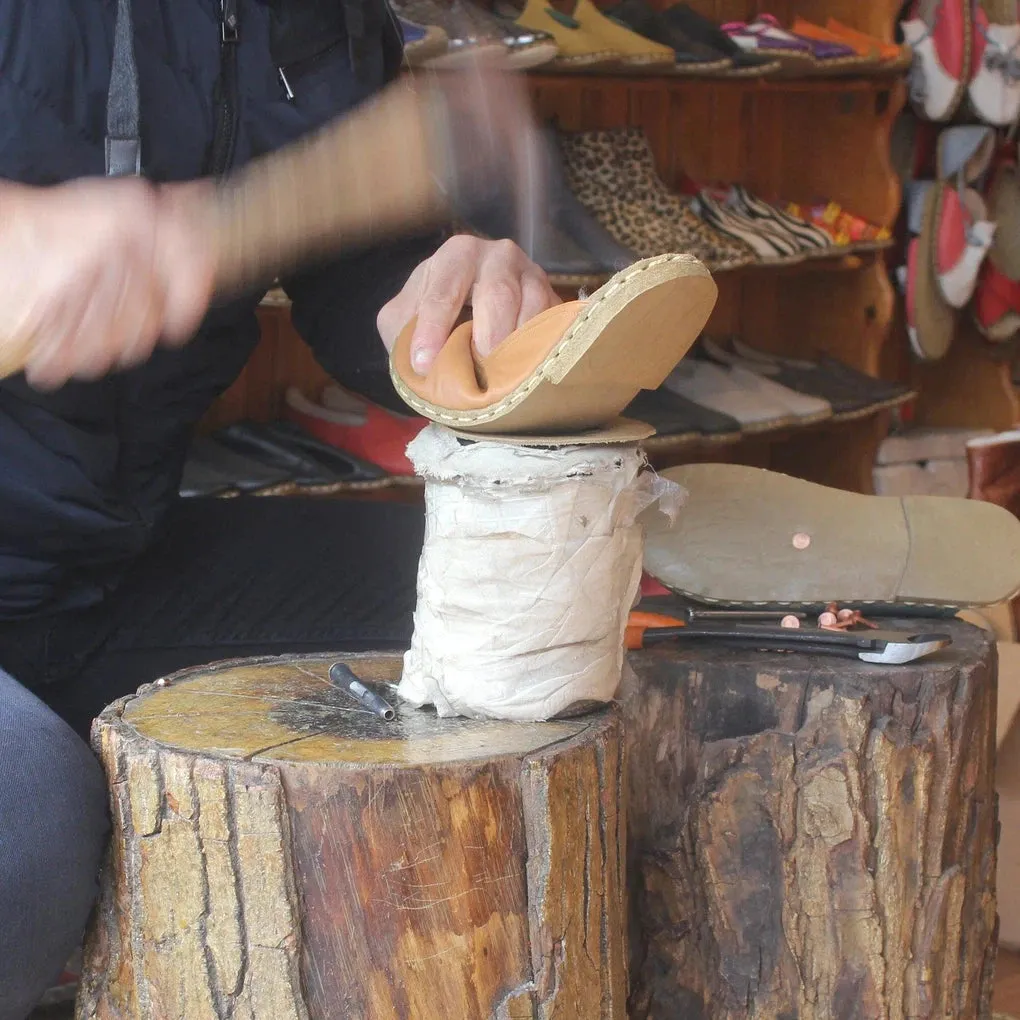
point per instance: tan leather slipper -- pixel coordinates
(753, 537)
(574, 367)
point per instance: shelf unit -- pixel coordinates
(796, 139)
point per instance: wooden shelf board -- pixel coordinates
(684, 83)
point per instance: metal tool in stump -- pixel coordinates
(281, 852)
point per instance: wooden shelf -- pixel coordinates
(793, 139)
(873, 83)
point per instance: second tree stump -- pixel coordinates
(813, 838)
(280, 854)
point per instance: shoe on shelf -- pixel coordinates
(357, 426)
(676, 418)
(691, 57)
(939, 34)
(636, 52)
(805, 408)
(812, 240)
(525, 47)
(706, 32)
(851, 394)
(311, 463)
(465, 43)
(422, 42)
(835, 53)
(996, 304)
(789, 542)
(765, 37)
(577, 49)
(565, 262)
(570, 215)
(848, 232)
(637, 178)
(714, 387)
(771, 245)
(994, 86)
(892, 57)
(635, 206)
(212, 468)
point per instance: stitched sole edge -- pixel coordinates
(569, 339)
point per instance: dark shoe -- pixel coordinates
(526, 47)
(849, 391)
(571, 216)
(691, 57)
(674, 416)
(566, 263)
(237, 471)
(199, 480)
(700, 29)
(284, 445)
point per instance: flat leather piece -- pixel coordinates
(753, 537)
(574, 367)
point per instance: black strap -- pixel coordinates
(123, 140)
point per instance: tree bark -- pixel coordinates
(812, 838)
(279, 854)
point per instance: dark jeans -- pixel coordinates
(236, 577)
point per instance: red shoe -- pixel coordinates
(996, 304)
(352, 423)
(941, 42)
(994, 87)
(963, 237)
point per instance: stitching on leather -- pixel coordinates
(479, 417)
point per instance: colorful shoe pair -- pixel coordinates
(587, 38)
(845, 229)
(814, 53)
(965, 48)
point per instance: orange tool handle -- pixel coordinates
(638, 623)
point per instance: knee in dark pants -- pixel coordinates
(53, 827)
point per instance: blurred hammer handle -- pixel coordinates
(366, 177)
(373, 174)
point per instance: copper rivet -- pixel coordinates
(789, 621)
(801, 541)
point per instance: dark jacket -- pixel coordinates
(87, 473)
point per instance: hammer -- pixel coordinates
(401, 162)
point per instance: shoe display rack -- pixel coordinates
(784, 138)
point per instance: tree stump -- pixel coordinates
(279, 853)
(812, 838)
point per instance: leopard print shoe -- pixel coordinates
(613, 173)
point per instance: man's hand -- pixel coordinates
(504, 287)
(93, 274)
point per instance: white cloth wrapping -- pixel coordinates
(531, 563)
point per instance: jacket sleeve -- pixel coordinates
(334, 308)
